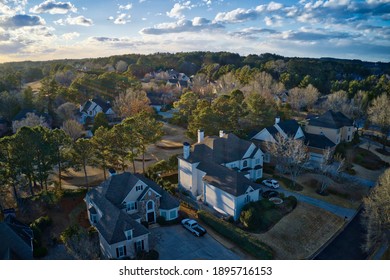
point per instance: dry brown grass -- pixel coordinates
(302, 232)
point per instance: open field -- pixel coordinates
(301, 233)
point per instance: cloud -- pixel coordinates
(70, 36)
(310, 35)
(122, 19)
(18, 21)
(273, 6)
(53, 7)
(126, 7)
(178, 9)
(12, 7)
(253, 33)
(80, 20)
(273, 21)
(196, 25)
(237, 15)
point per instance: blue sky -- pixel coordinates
(55, 29)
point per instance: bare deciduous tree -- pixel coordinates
(31, 120)
(74, 129)
(291, 155)
(303, 97)
(67, 111)
(132, 103)
(376, 214)
(379, 114)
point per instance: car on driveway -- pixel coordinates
(271, 183)
(193, 227)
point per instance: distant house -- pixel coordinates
(118, 206)
(316, 143)
(221, 171)
(94, 106)
(334, 125)
(16, 240)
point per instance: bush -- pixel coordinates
(291, 202)
(251, 245)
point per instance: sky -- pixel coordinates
(51, 29)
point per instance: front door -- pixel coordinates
(151, 218)
(150, 215)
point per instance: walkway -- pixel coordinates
(340, 211)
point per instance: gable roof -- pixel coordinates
(318, 141)
(331, 119)
(92, 103)
(290, 127)
(114, 222)
(220, 150)
(226, 179)
(104, 105)
(119, 187)
(15, 240)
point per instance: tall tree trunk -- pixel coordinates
(143, 162)
(86, 175)
(104, 169)
(59, 169)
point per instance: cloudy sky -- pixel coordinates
(52, 29)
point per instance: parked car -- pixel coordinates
(269, 194)
(271, 183)
(193, 227)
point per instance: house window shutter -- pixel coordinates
(143, 247)
(135, 247)
(117, 252)
(125, 250)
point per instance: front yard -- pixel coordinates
(301, 233)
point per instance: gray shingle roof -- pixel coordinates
(290, 127)
(226, 179)
(331, 119)
(114, 222)
(15, 240)
(318, 141)
(272, 130)
(119, 186)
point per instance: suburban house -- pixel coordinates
(118, 207)
(93, 106)
(334, 125)
(16, 239)
(221, 172)
(316, 143)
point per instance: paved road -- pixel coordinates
(340, 211)
(347, 245)
(176, 243)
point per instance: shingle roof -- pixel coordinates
(272, 130)
(224, 149)
(331, 119)
(289, 127)
(318, 141)
(15, 240)
(114, 222)
(119, 186)
(104, 105)
(226, 179)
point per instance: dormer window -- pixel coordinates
(129, 234)
(139, 188)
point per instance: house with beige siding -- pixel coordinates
(118, 207)
(334, 125)
(220, 171)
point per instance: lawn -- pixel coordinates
(301, 233)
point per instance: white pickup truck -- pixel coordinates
(193, 227)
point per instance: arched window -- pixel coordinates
(245, 163)
(150, 205)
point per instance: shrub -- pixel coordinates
(291, 202)
(250, 217)
(251, 245)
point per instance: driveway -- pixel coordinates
(176, 243)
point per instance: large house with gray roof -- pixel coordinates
(92, 107)
(221, 172)
(334, 125)
(118, 206)
(316, 143)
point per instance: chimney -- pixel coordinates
(186, 150)
(277, 120)
(221, 133)
(200, 135)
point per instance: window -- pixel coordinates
(150, 205)
(349, 137)
(139, 246)
(247, 199)
(163, 214)
(121, 251)
(93, 218)
(267, 157)
(257, 161)
(132, 205)
(245, 163)
(129, 234)
(349, 129)
(173, 215)
(139, 188)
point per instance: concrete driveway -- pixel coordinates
(177, 243)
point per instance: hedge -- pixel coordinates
(251, 245)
